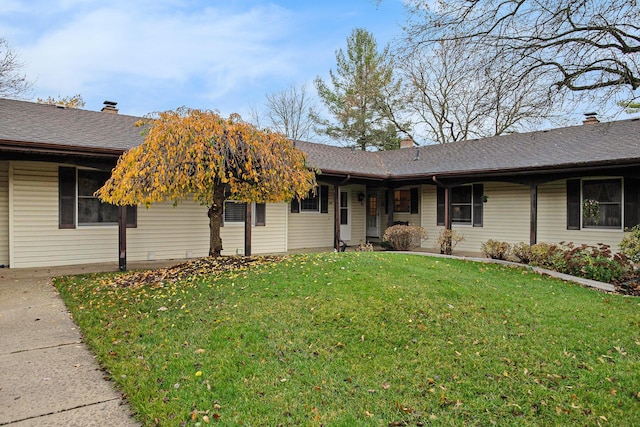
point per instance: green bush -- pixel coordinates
(630, 244)
(521, 252)
(404, 237)
(496, 250)
(595, 263)
(547, 255)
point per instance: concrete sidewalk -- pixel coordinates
(48, 377)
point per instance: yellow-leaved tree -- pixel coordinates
(191, 153)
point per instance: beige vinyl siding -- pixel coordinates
(358, 216)
(552, 220)
(4, 212)
(506, 217)
(311, 229)
(37, 241)
(271, 238)
(165, 231)
(428, 215)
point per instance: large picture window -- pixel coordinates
(600, 203)
(79, 206)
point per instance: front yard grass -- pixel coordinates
(365, 339)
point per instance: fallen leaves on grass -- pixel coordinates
(198, 267)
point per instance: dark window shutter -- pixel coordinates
(478, 192)
(324, 199)
(132, 216)
(414, 200)
(573, 204)
(440, 206)
(631, 202)
(66, 197)
(295, 206)
(261, 214)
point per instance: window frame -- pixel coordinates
(477, 206)
(321, 192)
(576, 198)
(69, 197)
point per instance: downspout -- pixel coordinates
(336, 213)
(447, 212)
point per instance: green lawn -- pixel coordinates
(365, 339)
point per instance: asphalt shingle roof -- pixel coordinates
(48, 124)
(593, 144)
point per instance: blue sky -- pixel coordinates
(155, 55)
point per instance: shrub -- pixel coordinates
(630, 244)
(521, 252)
(547, 256)
(595, 263)
(404, 237)
(448, 240)
(496, 250)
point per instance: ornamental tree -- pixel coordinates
(190, 153)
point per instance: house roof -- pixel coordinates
(26, 124)
(54, 127)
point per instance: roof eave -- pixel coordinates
(57, 149)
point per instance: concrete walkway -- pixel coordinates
(48, 377)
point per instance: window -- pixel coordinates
(406, 200)
(77, 203)
(90, 209)
(598, 203)
(260, 216)
(233, 211)
(461, 203)
(402, 201)
(465, 207)
(317, 201)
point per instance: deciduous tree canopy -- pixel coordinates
(190, 153)
(580, 45)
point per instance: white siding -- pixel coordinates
(506, 217)
(311, 229)
(4, 212)
(552, 220)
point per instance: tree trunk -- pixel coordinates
(215, 221)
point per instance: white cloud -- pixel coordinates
(218, 47)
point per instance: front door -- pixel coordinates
(373, 215)
(345, 215)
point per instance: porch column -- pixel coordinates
(533, 226)
(122, 238)
(447, 208)
(247, 229)
(336, 217)
(390, 206)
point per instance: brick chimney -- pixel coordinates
(110, 107)
(590, 119)
(407, 142)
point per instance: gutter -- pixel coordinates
(43, 148)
